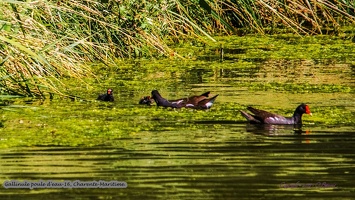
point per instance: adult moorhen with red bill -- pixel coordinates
(264, 117)
(106, 97)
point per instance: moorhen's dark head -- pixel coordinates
(146, 100)
(303, 108)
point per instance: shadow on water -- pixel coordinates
(225, 162)
(270, 130)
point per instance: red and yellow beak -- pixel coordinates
(308, 111)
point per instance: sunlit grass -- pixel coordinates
(42, 42)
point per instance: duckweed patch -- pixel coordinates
(287, 46)
(301, 88)
(66, 124)
(274, 73)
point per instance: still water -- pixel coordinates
(188, 154)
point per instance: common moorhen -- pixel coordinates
(264, 117)
(106, 97)
(198, 102)
(190, 100)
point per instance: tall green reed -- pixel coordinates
(43, 41)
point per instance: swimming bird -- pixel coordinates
(194, 100)
(106, 97)
(197, 102)
(264, 117)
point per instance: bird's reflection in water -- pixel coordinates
(276, 130)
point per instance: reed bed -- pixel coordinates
(43, 41)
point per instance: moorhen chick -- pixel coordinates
(146, 100)
(198, 102)
(106, 97)
(264, 117)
